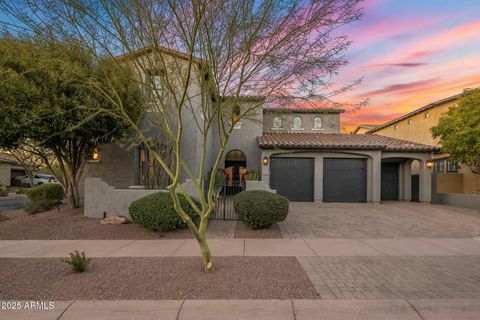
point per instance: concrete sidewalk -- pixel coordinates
(242, 247)
(255, 309)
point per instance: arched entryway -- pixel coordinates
(235, 166)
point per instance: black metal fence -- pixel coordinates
(224, 204)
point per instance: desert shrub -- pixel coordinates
(39, 206)
(3, 217)
(49, 191)
(260, 209)
(156, 212)
(44, 197)
(78, 261)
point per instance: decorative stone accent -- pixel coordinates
(115, 220)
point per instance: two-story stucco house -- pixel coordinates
(415, 126)
(298, 152)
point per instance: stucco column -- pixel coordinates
(375, 178)
(265, 168)
(318, 181)
(406, 178)
(425, 178)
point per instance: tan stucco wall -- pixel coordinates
(471, 181)
(449, 182)
(5, 174)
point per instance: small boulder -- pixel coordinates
(115, 220)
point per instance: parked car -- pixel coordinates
(39, 179)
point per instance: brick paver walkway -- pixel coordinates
(386, 220)
(394, 277)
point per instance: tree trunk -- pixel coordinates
(206, 254)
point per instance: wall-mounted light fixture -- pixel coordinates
(265, 160)
(429, 164)
(95, 154)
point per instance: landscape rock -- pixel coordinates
(115, 220)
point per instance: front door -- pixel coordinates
(389, 182)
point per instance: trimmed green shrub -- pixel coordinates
(39, 206)
(260, 209)
(156, 212)
(3, 192)
(49, 191)
(44, 197)
(78, 261)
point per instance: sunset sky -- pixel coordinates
(410, 53)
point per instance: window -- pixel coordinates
(452, 165)
(427, 115)
(157, 87)
(297, 123)
(410, 121)
(317, 123)
(396, 127)
(439, 166)
(277, 122)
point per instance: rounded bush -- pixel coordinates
(50, 191)
(156, 212)
(260, 209)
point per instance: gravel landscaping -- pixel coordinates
(73, 225)
(242, 231)
(155, 278)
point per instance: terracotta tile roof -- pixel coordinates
(331, 141)
(7, 158)
(416, 111)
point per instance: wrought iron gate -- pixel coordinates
(224, 204)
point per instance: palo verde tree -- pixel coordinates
(276, 50)
(459, 130)
(47, 92)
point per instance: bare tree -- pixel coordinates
(281, 51)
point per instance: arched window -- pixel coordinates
(277, 122)
(297, 123)
(317, 123)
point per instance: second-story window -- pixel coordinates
(297, 123)
(157, 87)
(317, 123)
(277, 122)
(410, 121)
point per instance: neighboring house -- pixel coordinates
(300, 153)
(415, 126)
(363, 128)
(9, 169)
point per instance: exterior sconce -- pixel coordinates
(265, 160)
(429, 164)
(95, 154)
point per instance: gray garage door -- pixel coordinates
(292, 177)
(344, 180)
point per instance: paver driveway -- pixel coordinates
(386, 220)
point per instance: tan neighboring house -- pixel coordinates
(363, 128)
(415, 126)
(9, 169)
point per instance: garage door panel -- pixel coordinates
(344, 180)
(292, 177)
